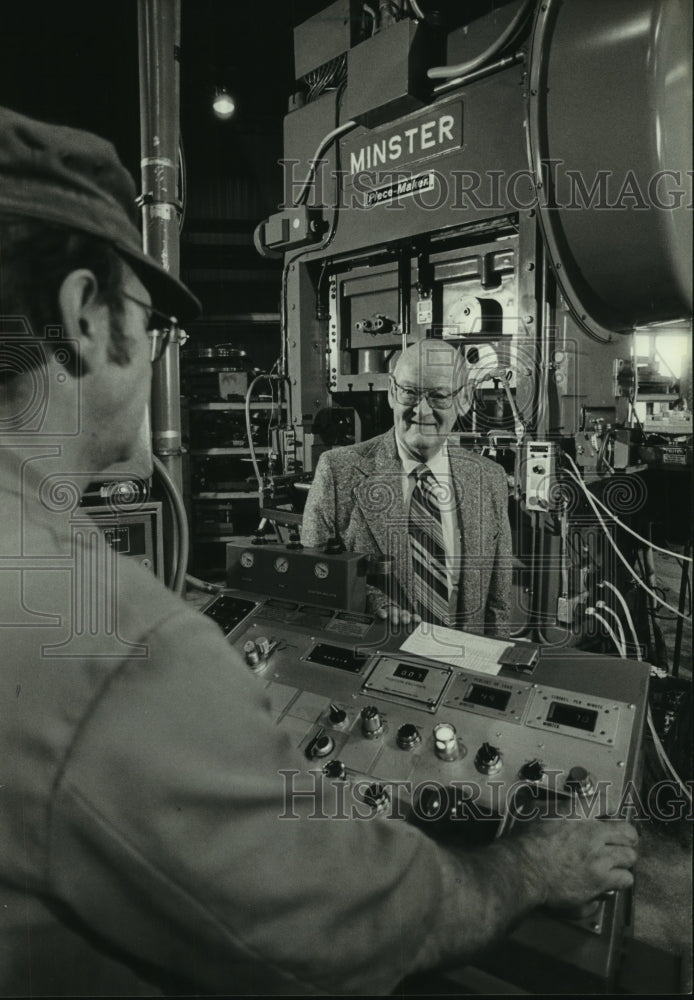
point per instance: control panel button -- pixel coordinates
(580, 781)
(408, 736)
(334, 769)
(321, 745)
(446, 741)
(371, 722)
(488, 759)
(431, 802)
(376, 796)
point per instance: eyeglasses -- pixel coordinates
(407, 396)
(161, 329)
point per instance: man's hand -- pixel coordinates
(576, 860)
(398, 616)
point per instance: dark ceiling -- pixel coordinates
(76, 62)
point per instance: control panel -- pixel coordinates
(329, 576)
(464, 754)
(350, 697)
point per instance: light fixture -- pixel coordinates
(223, 104)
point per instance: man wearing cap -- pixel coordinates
(146, 840)
(439, 513)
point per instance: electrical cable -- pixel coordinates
(603, 605)
(664, 759)
(316, 159)
(627, 613)
(444, 72)
(302, 253)
(640, 582)
(635, 534)
(197, 584)
(368, 9)
(181, 524)
(183, 171)
(610, 631)
(247, 410)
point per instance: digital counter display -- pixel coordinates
(573, 716)
(489, 697)
(410, 673)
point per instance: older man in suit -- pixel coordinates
(413, 495)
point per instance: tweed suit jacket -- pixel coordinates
(357, 494)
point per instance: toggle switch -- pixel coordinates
(488, 759)
(532, 770)
(337, 715)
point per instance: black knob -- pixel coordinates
(532, 770)
(408, 736)
(334, 769)
(323, 746)
(337, 715)
(334, 546)
(488, 759)
(320, 746)
(580, 781)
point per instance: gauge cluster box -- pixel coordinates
(335, 579)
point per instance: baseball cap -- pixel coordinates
(73, 178)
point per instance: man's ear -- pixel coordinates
(391, 393)
(85, 321)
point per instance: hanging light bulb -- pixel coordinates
(223, 104)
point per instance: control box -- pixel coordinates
(328, 579)
(540, 467)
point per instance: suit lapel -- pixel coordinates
(379, 497)
(467, 485)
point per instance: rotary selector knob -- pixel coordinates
(408, 736)
(580, 782)
(446, 741)
(532, 770)
(334, 769)
(488, 759)
(376, 796)
(337, 715)
(371, 722)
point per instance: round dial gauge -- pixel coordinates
(281, 564)
(247, 559)
(321, 570)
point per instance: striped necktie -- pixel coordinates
(426, 544)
